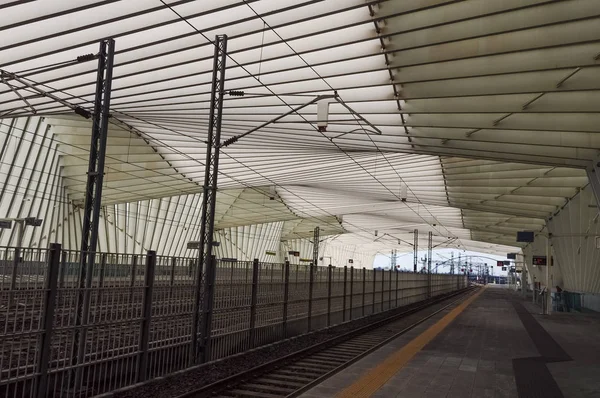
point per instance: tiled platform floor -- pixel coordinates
(473, 356)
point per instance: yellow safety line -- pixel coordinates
(375, 378)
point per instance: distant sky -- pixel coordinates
(405, 260)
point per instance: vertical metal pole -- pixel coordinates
(133, 274)
(93, 199)
(311, 282)
(374, 288)
(133, 270)
(253, 299)
(207, 304)
(429, 254)
(351, 291)
(63, 269)
(344, 296)
(329, 278)
(390, 290)
(397, 276)
(415, 249)
(142, 369)
(209, 192)
(316, 239)
(47, 326)
(17, 259)
(364, 289)
(313, 268)
(101, 278)
(286, 293)
(382, 288)
(172, 278)
(548, 279)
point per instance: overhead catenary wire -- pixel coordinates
(236, 160)
(329, 85)
(136, 192)
(284, 102)
(310, 217)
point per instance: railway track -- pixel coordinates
(296, 373)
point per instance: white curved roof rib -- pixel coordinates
(488, 110)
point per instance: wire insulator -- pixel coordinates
(230, 141)
(236, 93)
(86, 57)
(82, 112)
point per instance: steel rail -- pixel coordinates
(260, 383)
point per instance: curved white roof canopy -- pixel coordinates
(489, 111)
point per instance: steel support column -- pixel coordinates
(253, 301)
(329, 283)
(316, 237)
(344, 294)
(429, 254)
(93, 199)
(286, 294)
(209, 196)
(47, 319)
(351, 291)
(549, 277)
(415, 250)
(311, 284)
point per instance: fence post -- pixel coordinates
(374, 289)
(397, 272)
(286, 293)
(311, 281)
(329, 277)
(351, 290)
(63, 269)
(429, 284)
(382, 288)
(191, 268)
(390, 290)
(207, 304)
(364, 289)
(172, 281)
(142, 370)
(132, 281)
(43, 357)
(13, 277)
(101, 278)
(344, 298)
(80, 338)
(197, 317)
(254, 296)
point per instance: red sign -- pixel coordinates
(539, 260)
(499, 263)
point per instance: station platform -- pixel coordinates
(495, 344)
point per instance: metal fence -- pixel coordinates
(65, 334)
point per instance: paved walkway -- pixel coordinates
(486, 351)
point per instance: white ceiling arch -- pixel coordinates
(489, 111)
